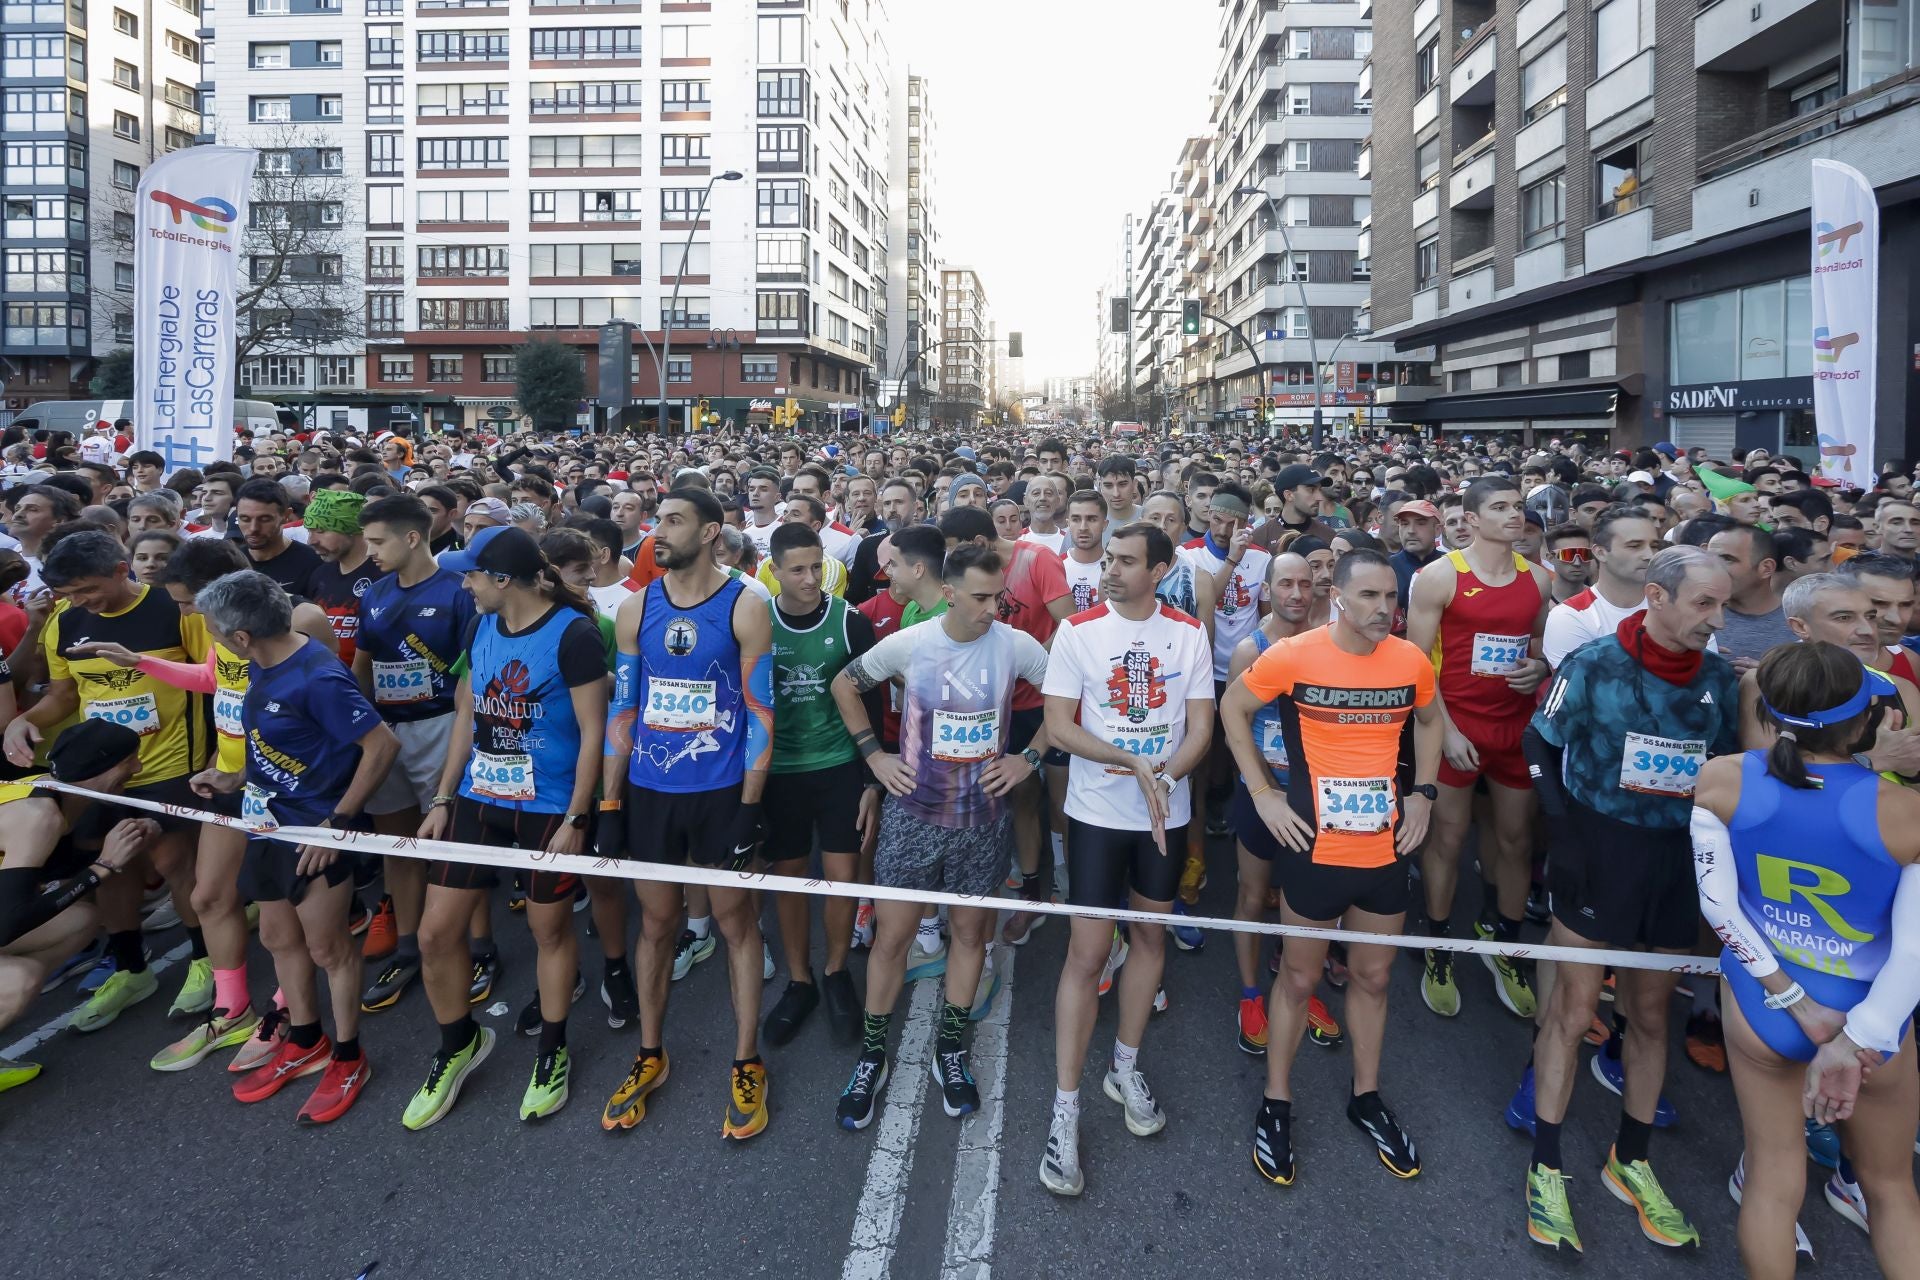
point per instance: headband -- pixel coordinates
(1872, 685)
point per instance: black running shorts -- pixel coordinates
(1319, 891)
(490, 824)
(819, 802)
(1103, 864)
(268, 872)
(1626, 886)
(678, 827)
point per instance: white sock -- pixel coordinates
(1059, 848)
(929, 933)
(701, 926)
(1704, 989)
(1067, 1101)
(1124, 1056)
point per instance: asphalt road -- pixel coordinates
(113, 1169)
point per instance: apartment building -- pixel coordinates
(966, 352)
(1598, 211)
(530, 169)
(913, 257)
(91, 92)
(1158, 346)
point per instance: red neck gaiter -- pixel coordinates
(1675, 666)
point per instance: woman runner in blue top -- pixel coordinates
(1806, 864)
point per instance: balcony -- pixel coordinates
(1427, 109)
(1620, 239)
(1539, 140)
(1534, 17)
(1471, 186)
(1363, 88)
(1745, 35)
(1537, 268)
(1620, 90)
(1426, 208)
(1471, 82)
(1473, 287)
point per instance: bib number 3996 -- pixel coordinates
(962, 737)
(1358, 806)
(1661, 766)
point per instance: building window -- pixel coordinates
(385, 100)
(780, 144)
(586, 44)
(1575, 364)
(126, 176)
(460, 100)
(1460, 380)
(1300, 157)
(463, 261)
(444, 368)
(125, 23)
(759, 368)
(1299, 42)
(496, 368)
(123, 277)
(468, 46)
(1621, 176)
(587, 151)
(384, 260)
(396, 368)
(1299, 100)
(687, 313)
(679, 368)
(782, 93)
(685, 95)
(463, 313)
(126, 75)
(581, 313)
(1753, 332)
(463, 153)
(1616, 34)
(184, 47)
(779, 203)
(270, 110)
(783, 39)
(683, 150)
(1543, 210)
(1426, 66)
(329, 104)
(1543, 83)
(462, 206)
(383, 45)
(575, 261)
(1426, 264)
(1881, 41)
(685, 42)
(126, 126)
(384, 315)
(335, 371)
(1511, 374)
(782, 311)
(696, 258)
(1426, 164)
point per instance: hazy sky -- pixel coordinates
(1054, 120)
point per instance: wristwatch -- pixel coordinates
(578, 821)
(1031, 756)
(1426, 789)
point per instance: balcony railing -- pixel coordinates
(1856, 108)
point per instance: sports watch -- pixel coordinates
(1426, 789)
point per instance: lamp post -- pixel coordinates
(1358, 334)
(673, 304)
(1313, 346)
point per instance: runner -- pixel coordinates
(1086, 534)
(1614, 752)
(1890, 592)
(1624, 540)
(944, 824)
(336, 585)
(1480, 613)
(695, 670)
(518, 772)
(263, 515)
(1344, 694)
(1130, 698)
(1046, 503)
(315, 752)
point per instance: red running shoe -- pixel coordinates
(340, 1085)
(383, 935)
(1321, 1028)
(288, 1063)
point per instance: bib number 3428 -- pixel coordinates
(1357, 806)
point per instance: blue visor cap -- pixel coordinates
(1875, 685)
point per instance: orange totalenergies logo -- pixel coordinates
(1834, 239)
(1828, 346)
(209, 213)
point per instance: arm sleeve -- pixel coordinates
(1878, 1021)
(194, 677)
(1719, 886)
(1543, 766)
(24, 908)
(583, 659)
(1030, 658)
(1567, 690)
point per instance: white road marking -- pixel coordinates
(976, 1166)
(28, 1044)
(883, 1200)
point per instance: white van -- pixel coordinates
(79, 416)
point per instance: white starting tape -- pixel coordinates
(587, 864)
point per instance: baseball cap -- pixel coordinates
(1296, 475)
(488, 509)
(1667, 447)
(504, 549)
(1419, 508)
(1639, 477)
(89, 749)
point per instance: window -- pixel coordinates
(1511, 374)
(467, 260)
(1543, 83)
(1300, 157)
(383, 45)
(270, 110)
(1426, 264)
(1426, 66)
(1616, 34)
(587, 151)
(685, 95)
(181, 96)
(126, 176)
(685, 42)
(1880, 41)
(125, 23)
(680, 204)
(779, 201)
(679, 368)
(1543, 212)
(586, 44)
(384, 260)
(1460, 380)
(587, 98)
(444, 368)
(53, 164)
(698, 260)
(783, 39)
(30, 56)
(1299, 42)
(384, 154)
(384, 100)
(1620, 176)
(467, 46)
(496, 368)
(780, 144)
(42, 110)
(275, 371)
(396, 368)
(125, 74)
(462, 206)
(463, 313)
(783, 93)
(759, 368)
(184, 47)
(781, 257)
(386, 205)
(329, 104)
(123, 277)
(462, 100)
(334, 371)
(1299, 100)
(328, 53)
(1705, 338)
(126, 126)
(1362, 42)
(1426, 164)
(683, 150)
(1754, 332)
(581, 313)
(463, 153)
(781, 311)
(1293, 266)
(588, 261)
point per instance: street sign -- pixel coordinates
(500, 413)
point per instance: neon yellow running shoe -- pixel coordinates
(214, 1032)
(1660, 1221)
(15, 1072)
(196, 993)
(1549, 1216)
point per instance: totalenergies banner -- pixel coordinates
(1846, 319)
(191, 212)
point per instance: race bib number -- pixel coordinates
(1358, 806)
(1273, 743)
(1498, 655)
(227, 705)
(253, 807)
(137, 713)
(680, 706)
(963, 737)
(505, 777)
(395, 683)
(1149, 740)
(1661, 766)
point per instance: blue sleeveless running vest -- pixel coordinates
(1266, 725)
(526, 740)
(690, 730)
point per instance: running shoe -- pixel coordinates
(288, 1063)
(1020, 926)
(690, 951)
(1253, 1025)
(1273, 1144)
(268, 1035)
(959, 1096)
(1390, 1139)
(1143, 1115)
(1660, 1221)
(628, 1105)
(1823, 1145)
(857, 1100)
(863, 925)
(1707, 1044)
(1437, 987)
(215, 1031)
(1193, 875)
(620, 996)
(1510, 981)
(1607, 986)
(988, 988)
(1321, 1028)
(1843, 1193)
(1335, 967)
(1060, 1162)
(77, 964)
(1738, 1183)
(1598, 1033)
(436, 1096)
(116, 995)
(1613, 1077)
(1549, 1216)
(196, 993)
(843, 1006)
(1160, 1000)
(163, 915)
(1520, 1115)
(1186, 936)
(15, 1072)
(922, 963)
(383, 935)
(395, 975)
(359, 918)
(795, 1006)
(486, 971)
(103, 968)
(746, 1102)
(1116, 956)
(547, 1091)
(339, 1088)
(766, 961)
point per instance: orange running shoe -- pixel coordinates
(1321, 1028)
(1253, 1026)
(383, 935)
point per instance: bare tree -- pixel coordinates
(301, 291)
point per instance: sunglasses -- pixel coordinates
(1572, 555)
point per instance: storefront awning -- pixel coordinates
(1521, 403)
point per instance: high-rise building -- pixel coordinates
(913, 266)
(966, 353)
(93, 93)
(1596, 212)
(1157, 342)
(527, 171)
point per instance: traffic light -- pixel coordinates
(1190, 318)
(779, 415)
(900, 415)
(793, 412)
(1121, 317)
(1015, 351)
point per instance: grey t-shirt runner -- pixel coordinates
(1750, 635)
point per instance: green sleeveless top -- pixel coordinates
(808, 732)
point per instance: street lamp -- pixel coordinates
(1313, 346)
(673, 304)
(1358, 333)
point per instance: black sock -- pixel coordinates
(1546, 1143)
(1489, 905)
(655, 1052)
(1631, 1144)
(408, 947)
(304, 1034)
(615, 965)
(457, 1035)
(1276, 1107)
(553, 1035)
(1505, 930)
(1614, 1038)
(1440, 926)
(128, 951)
(482, 950)
(754, 1061)
(873, 1034)
(953, 1023)
(347, 1050)
(197, 943)
(1030, 886)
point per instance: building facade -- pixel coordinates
(913, 258)
(1599, 212)
(966, 351)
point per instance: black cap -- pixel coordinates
(1296, 475)
(89, 749)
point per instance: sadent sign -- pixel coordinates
(1736, 397)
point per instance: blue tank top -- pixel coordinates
(690, 733)
(412, 636)
(1815, 876)
(1267, 734)
(526, 739)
